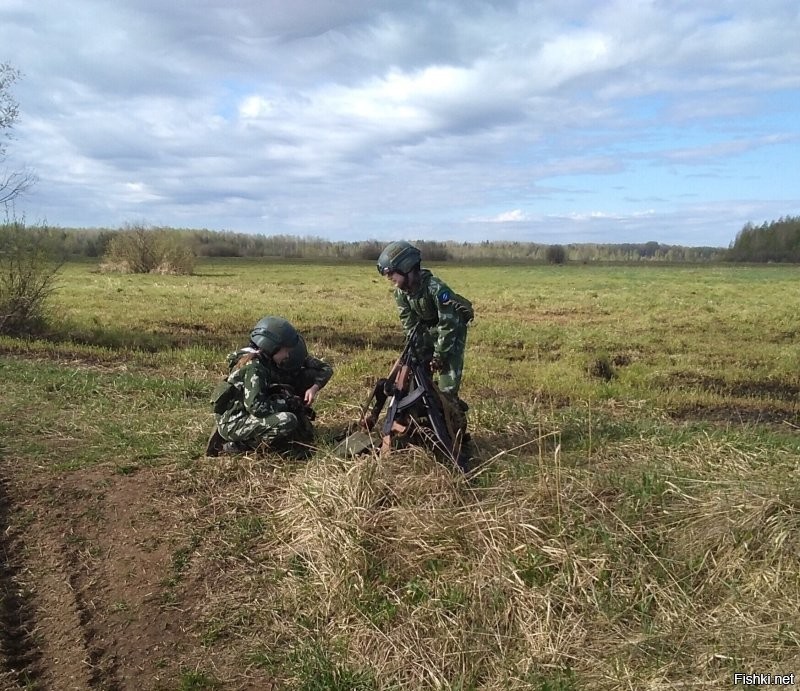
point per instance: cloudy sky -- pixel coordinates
(549, 121)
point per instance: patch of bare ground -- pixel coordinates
(757, 402)
(75, 359)
(86, 557)
(769, 389)
(734, 414)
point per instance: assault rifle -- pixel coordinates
(415, 406)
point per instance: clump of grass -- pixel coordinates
(602, 368)
(197, 680)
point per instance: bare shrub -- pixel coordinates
(175, 255)
(28, 270)
(131, 251)
(140, 250)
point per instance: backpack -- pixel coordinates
(461, 305)
(225, 392)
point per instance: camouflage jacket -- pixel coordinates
(259, 382)
(439, 309)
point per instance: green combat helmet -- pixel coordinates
(398, 256)
(271, 333)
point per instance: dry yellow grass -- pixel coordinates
(399, 574)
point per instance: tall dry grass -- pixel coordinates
(662, 570)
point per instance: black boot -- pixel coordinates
(215, 444)
(231, 448)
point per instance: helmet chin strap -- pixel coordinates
(412, 277)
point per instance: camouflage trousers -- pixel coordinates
(451, 373)
(252, 430)
(449, 379)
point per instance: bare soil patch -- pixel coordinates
(87, 555)
(730, 414)
(771, 389)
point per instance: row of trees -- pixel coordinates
(96, 242)
(777, 241)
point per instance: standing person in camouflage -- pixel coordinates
(267, 396)
(424, 299)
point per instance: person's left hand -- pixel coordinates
(311, 394)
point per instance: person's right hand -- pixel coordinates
(311, 394)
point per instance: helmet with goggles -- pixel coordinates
(400, 257)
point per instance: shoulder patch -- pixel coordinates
(444, 297)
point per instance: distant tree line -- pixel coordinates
(96, 242)
(777, 241)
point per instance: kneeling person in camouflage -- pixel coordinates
(266, 398)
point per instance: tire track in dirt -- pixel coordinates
(65, 659)
(85, 586)
(45, 625)
(41, 627)
(19, 655)
(72, 585)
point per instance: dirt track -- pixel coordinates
(85, 558)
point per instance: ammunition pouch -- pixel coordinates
(222, 396)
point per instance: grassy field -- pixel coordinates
(632, 522)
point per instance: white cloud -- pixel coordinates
(605, 215)
(514, 216)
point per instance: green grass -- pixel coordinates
(197, 680)
(632, 522)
